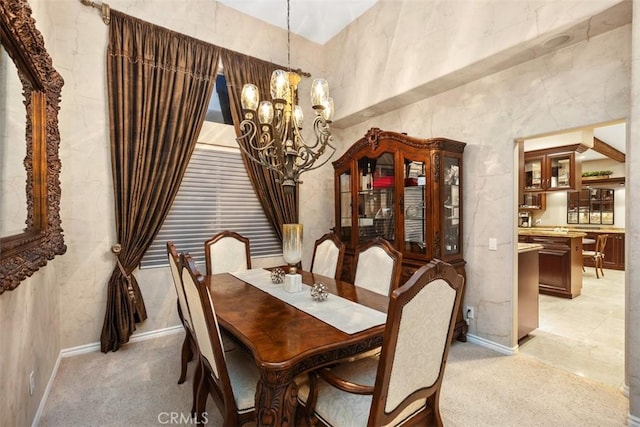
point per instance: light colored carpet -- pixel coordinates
(137, 385)
(484, 388)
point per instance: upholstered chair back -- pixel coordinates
(378, 267)
(227, 252)
(419, 330)
(328, 255)
(191, 280)
(174, 261)
(421, 341)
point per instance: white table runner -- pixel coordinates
(341, 313)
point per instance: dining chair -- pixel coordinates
(377, 266)
(597, 255)
(231, 377)
(328, 254)
(403, 385)
(227, 252)
(189, 346)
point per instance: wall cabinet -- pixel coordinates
(553, 169)
(590, 206)
(406, 190)
(613, 250)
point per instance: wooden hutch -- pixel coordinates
(406, 190)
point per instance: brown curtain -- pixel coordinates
(159, 86)
(279, 206)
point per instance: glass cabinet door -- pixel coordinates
(533, 173)
(583, 206)
(590, 206)
(414, 207)
(607, 206)
(451, 206)
(376, 198)
(573, 206)
(345, 207)
(560, 171)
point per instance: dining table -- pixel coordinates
(287, 338)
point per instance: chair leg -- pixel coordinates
(601, 268)
(201, 397)
(197, 378)
(187, 354)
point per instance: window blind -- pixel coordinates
(215, 195)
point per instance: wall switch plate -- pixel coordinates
(493, 244)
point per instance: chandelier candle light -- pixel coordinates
(271, 130)
(292, 253)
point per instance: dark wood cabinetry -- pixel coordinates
(552, 169)
(590, 206)
(560, 264)
(406, 190)
(613, 250)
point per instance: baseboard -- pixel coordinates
(89, 348)
(633, 421)
(625, 390)
(483, 342)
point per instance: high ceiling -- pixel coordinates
(316, 20)
(320, 20)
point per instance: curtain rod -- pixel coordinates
(103, 7)
(106, 17)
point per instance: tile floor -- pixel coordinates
(584, 335)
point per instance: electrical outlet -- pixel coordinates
(32, 383)
(469, 312)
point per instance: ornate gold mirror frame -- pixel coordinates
(41, 240)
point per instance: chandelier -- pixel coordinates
(271, 130)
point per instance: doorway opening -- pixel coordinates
(583, 334)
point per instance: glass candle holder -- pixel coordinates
(292, 245)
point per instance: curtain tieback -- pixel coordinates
(116, 249)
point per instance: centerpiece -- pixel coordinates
(292, 254)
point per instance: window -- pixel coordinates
(219, 109)
(215, 195)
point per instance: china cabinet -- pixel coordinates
(406, 190)
(553, 169)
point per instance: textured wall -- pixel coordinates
(632, 237)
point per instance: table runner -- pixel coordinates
(343, 314)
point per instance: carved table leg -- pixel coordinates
(276, 399)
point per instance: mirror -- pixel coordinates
(13, 176)
(30, 231)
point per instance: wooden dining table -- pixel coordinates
(285, 341)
